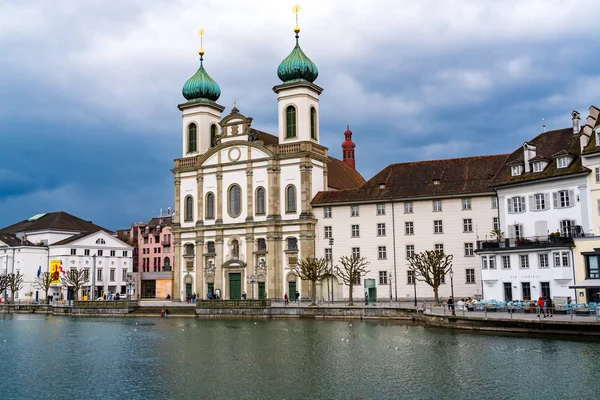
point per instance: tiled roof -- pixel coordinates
(342, 176)
(60, 221)
(451, 177)
(13, 241)
(592, 146)
(548, 145)
(339, 174)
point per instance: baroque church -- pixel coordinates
(243, 197)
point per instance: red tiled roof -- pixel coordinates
(457, 176)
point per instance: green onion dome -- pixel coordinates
(297, 67)
(201, 86)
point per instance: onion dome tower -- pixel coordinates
(348, 148)
(298, 96)
(201, 85)
(201, 115)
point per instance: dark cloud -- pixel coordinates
(88, 89)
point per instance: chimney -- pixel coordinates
(576, 119)
(348, 148)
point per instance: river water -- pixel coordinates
(126, 358)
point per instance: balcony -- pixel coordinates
(535, 242)
(166, 243)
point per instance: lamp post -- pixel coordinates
(251, 279)
(414, 279)
(331, 259)
(390, 283)
(452, 289)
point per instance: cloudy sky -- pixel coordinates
(89, 89)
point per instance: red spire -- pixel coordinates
(348, 148)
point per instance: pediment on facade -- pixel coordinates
(234, 263)
(233, 151)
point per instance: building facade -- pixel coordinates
(243, 216)
(543, 192)
(31, 246)
(405, 209)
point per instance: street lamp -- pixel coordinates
(251, 279)
(452, 290)
(414, 279)
(331, 259)
(390, 282)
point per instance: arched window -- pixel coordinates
(167, 264)
(235, 201)
(192, 142)
(313, 123)
(292, 243)
(235, 249)
(100, 241)
(213, 135)
(189, 208)
(189, 249)
(210, 206)
(290, 122)
(290, 199)
(210, 247)
(260, 200)
(261, 244)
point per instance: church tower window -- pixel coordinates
(290, 201)
(192, 139)
(210, 206)
(213, 135)
(290, 122)
(313, 123)
(260, 200)
(189, 208)
(235, 201)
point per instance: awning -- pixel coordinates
(588, 283)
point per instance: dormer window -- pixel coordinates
(538, 166)
(562, 162)
(516, 170)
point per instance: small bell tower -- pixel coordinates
(348, 148)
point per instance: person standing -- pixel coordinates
(286, 299)
(540, 304)
(297, 296)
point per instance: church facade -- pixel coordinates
(243, 214)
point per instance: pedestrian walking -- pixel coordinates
(549, 306)
(540, 304)
(297, 296)
(286, 299)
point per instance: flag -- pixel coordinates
(61, 268)
(39, 271)
(55, 269)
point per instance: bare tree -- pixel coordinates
(76, 279)
(44, 282)
(430, 266)
(3, 283)
(353, 268)
(311, 269)
(15, 283)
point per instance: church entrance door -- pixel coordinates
(235, 286)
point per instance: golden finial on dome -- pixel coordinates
(296, 11)
(201, 34)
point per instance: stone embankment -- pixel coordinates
(561, 325)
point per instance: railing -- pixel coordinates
(526, 242)
(233, 303)
(104, 303)
(185, 162)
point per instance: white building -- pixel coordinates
(408, 208)
(543, 192)
(31, 245)
(242, 197)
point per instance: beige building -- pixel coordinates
(242, 196)
(587, 270)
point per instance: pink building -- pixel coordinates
(154, 256)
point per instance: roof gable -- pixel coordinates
(92, 239)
